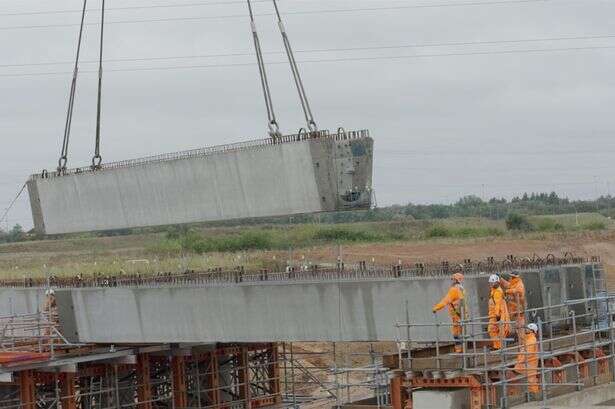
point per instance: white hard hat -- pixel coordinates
(50, 292)
(532, 327)
(493, 278)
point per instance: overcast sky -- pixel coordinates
(469, 119)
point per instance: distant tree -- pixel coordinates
(16, 234)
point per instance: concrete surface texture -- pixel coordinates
(598, 397)
(300, 310)
(441, 399)
(293, 176)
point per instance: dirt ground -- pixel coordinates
(601, 244)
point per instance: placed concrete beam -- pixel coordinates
(331, 311)
(335, 309)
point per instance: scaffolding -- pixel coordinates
(575, 349)
(334, 374)
(225, 376)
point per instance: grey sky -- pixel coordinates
(445, 126)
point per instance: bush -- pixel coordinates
(548, 224)
(467, 232)
(463, 232)
(596, 225)
(166, 247)
(515, 221)
(438, 231)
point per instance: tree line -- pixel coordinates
(529, 204)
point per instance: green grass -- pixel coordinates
(301, 236)
(571, 222)
(200, 248)
(274, 238)
(440, 231)
(548, 224)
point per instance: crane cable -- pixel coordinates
(8, 209)
(274, 129)
(71, 99)
(307, 111)
(97, 159)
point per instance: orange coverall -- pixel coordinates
(527, 362)
(516, 303)
(497, 312)
(453, 300)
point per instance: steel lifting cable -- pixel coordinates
(307, 111)
(71, 99)
(97, 159)
(8, 209)
(274, 129)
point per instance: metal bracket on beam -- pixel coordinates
(7, 377)
(123, 360)
(67, 368)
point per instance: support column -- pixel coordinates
(27, 389)
(399, 397)
(178, 370)
(68, 391)
(214, 379)
(244, 377)
(144, 388)
(273, 372)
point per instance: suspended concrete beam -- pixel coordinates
(306, 173)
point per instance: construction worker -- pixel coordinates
(527, 360)
(498, 327)
(455, 301)
(514, 289)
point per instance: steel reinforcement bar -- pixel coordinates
(339, 272)
(201, 152)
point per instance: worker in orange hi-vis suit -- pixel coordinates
(514, 289)
(527, 360)
(498, 313)
(455, 301)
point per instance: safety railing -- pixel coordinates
(34, 332)
(207, 151)
(588, 340)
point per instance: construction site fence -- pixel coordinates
(207, 151)
(340, 272)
